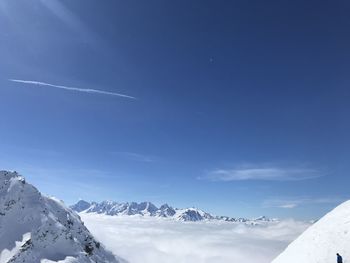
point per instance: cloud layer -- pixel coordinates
(152, 240)
(262, 173)
(95, 91)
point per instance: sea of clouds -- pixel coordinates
(153, 240)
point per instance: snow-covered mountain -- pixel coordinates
(192, 214)
(81, 206)
(322, 240)
(164, 211)
(35, 228)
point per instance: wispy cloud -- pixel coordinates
(95, 91)
(136, 156)
(290, 203)
(265, 173)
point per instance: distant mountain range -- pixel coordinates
(113, 208)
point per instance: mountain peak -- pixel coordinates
(35, 227)
(81, 205)
(8, 175)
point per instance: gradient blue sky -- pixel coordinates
(242, 107)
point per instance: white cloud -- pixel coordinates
(289, 206)
(152, 240)
(266, 173)
(39, 83)
(290, 203)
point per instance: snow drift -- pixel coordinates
(35, 228)
(321, 242)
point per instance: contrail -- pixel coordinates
(38, 83)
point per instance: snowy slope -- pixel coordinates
(38, 229)
(321, 242)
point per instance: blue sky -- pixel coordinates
(237, 107)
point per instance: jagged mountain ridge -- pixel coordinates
(35, 228)
(165, 211)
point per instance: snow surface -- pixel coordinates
(38, 229)
(141, 239)
(321, 242)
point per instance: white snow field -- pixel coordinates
(161, 240)
(321, 242)
(38, 229)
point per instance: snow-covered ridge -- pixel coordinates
(35, 228)
(165, 211)
(322, 240)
